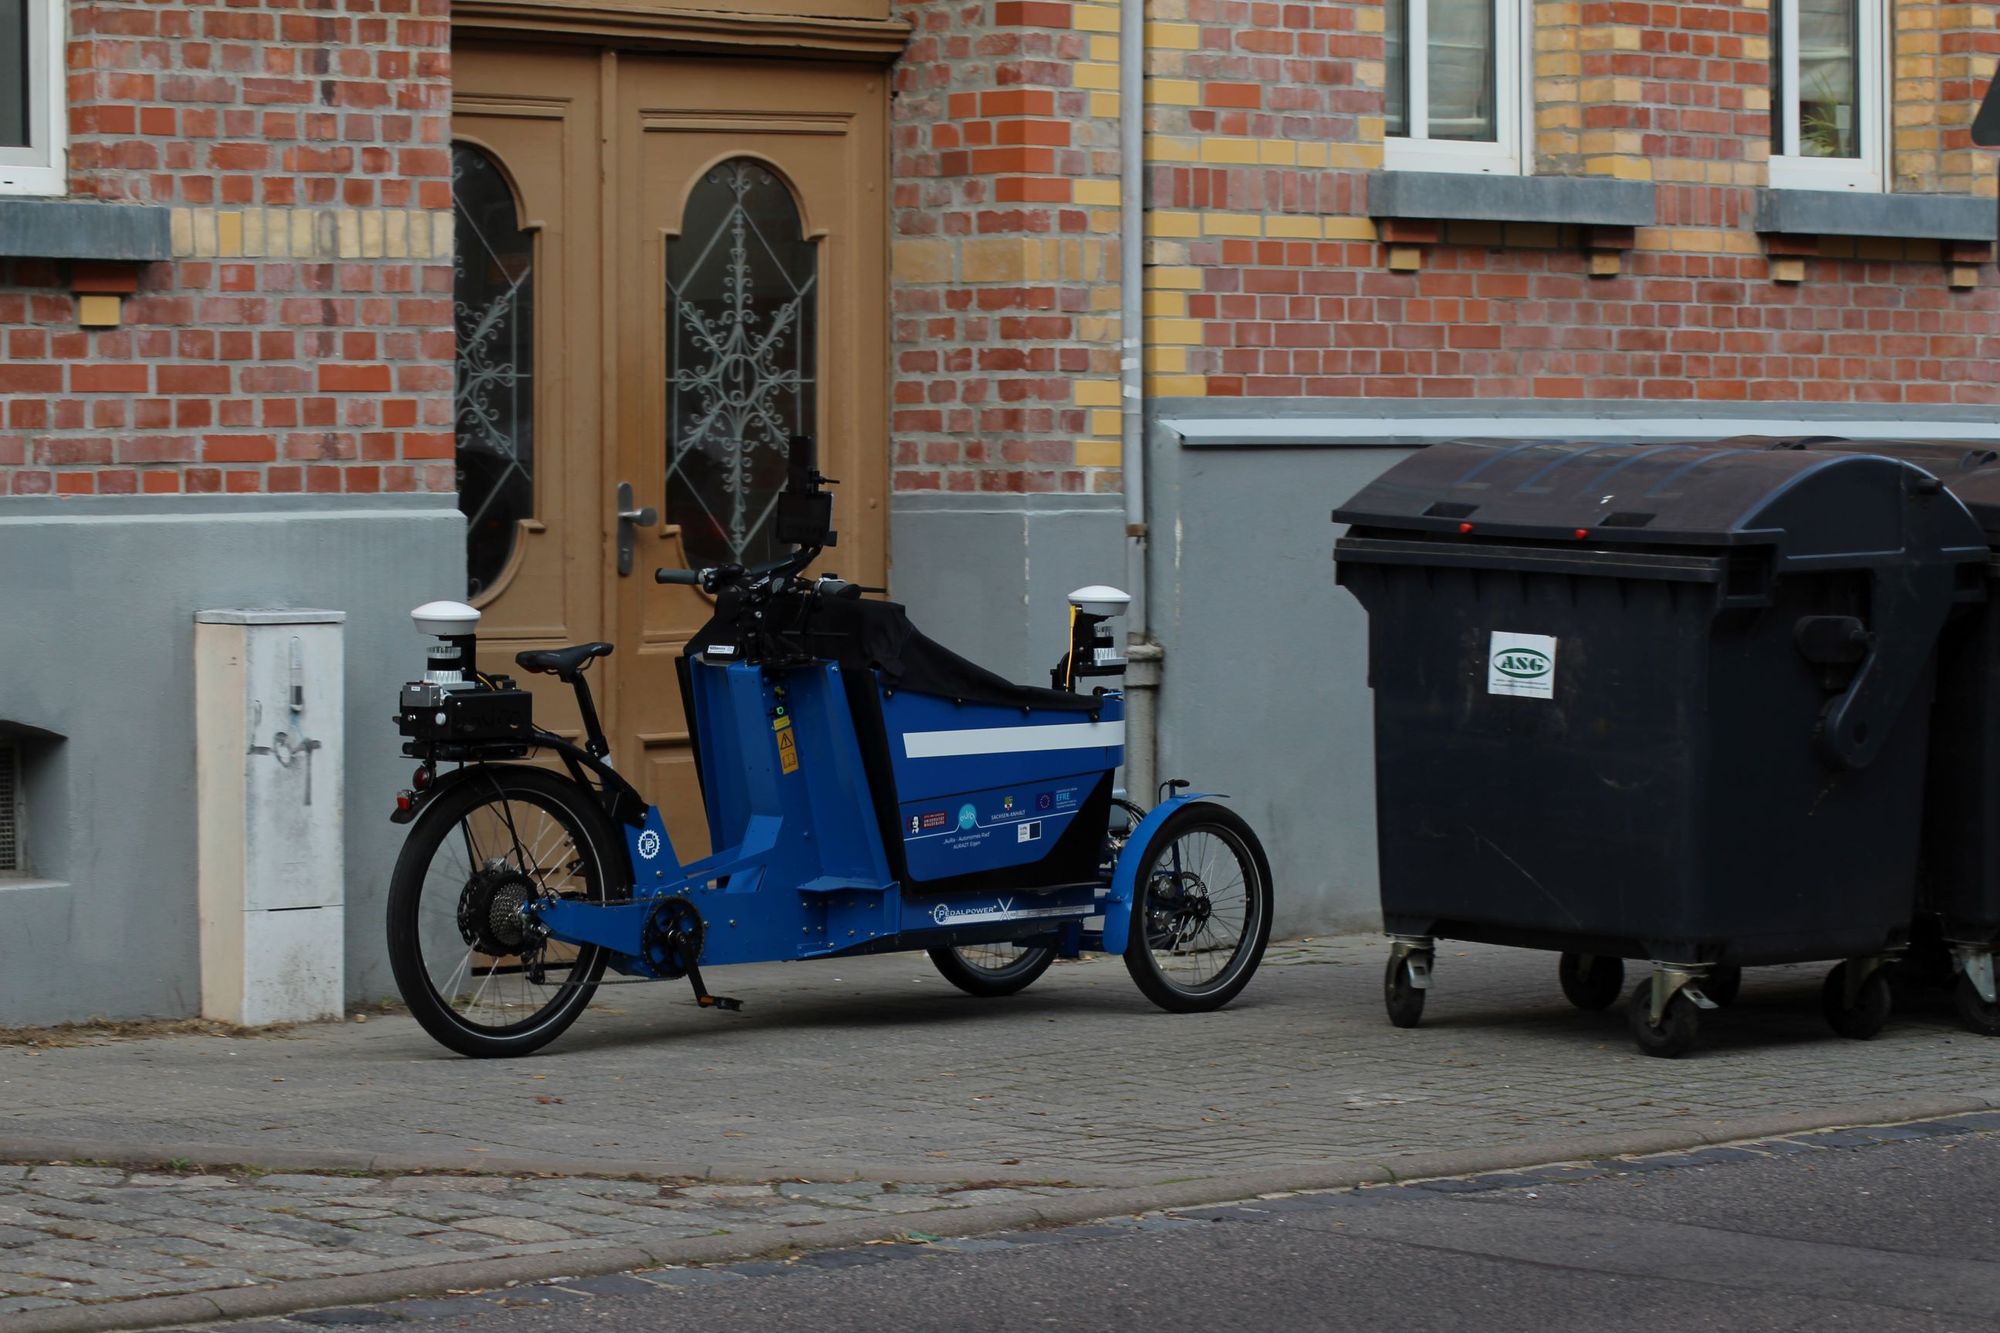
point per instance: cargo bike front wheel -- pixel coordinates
(1201, 910)
(472, 966)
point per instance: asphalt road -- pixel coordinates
(1897, 1235)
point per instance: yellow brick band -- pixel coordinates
(309, 233)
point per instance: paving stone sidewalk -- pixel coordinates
(876, 1069)
(74, 1235)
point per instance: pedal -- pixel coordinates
(703, 998)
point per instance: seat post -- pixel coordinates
(593, 731)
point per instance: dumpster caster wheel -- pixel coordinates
(1591, 982)
(1722, 985)
(1978, 1013)
(1401, 996)
(1675, 1035)
(1864, 1016)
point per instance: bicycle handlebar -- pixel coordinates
(688, 576)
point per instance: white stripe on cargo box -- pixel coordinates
(1012, 740)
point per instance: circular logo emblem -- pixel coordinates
(968, 817)
(649, 844)
(939, 913)
(1521, 663)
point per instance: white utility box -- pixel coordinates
(269, 724)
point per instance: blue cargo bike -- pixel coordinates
(867, 791)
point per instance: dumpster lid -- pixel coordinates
(1808, 503)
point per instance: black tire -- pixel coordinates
(1198, 862)
(1870, 1010)
(1723, 984)
(1976, 1013)
(1590, 981)
(485, 818)
(991, 979)
(1679, 1025)
(1400, 996)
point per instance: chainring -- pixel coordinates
(671, 940)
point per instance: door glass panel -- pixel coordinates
(493, 300)
(742, 333)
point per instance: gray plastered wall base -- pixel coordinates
(98, 600)
(1264, 681)
(988, 576)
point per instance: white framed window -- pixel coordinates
(1829, 95)
(1456, 86)
(32, 107)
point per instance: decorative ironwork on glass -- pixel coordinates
(493, 306)
(742, 343)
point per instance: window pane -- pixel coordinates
(1829, 70)
(13, 73)
(493, 300)
(1462, 71)
(742, 326)
(1397, 39)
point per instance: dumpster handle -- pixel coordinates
(1908, 609)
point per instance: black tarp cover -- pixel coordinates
(869, 635)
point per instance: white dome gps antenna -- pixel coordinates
(449, 664)
(1091, 649)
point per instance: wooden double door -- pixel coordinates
(665, 267)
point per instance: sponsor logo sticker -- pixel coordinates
(1521, 665)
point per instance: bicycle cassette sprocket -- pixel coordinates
(671, 938)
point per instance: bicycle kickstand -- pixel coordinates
(703, 998)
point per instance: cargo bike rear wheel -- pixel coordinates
(472, 967)
(1201, 910)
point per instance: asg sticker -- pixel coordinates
(1521, 665)
(649, 845)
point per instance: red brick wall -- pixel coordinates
(302, 338)
(1005, 257)
(1267, 278)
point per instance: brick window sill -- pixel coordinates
(1450, 196)
(1916, 217)
(84, 229)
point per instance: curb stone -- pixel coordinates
(1086, 1205)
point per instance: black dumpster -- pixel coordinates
(1956, 933)
(1958, 889)
(1662, 702)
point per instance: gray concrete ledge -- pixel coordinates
(84, 229)
(1005, 502)
(130, 507)
(1469, 196)
(1329, 423)
(646, 1250)
(1928, 217)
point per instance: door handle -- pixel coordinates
(630, 520)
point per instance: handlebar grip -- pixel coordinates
(691, 577)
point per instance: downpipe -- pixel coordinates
(1142, 676)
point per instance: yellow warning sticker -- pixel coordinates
(788, 748)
